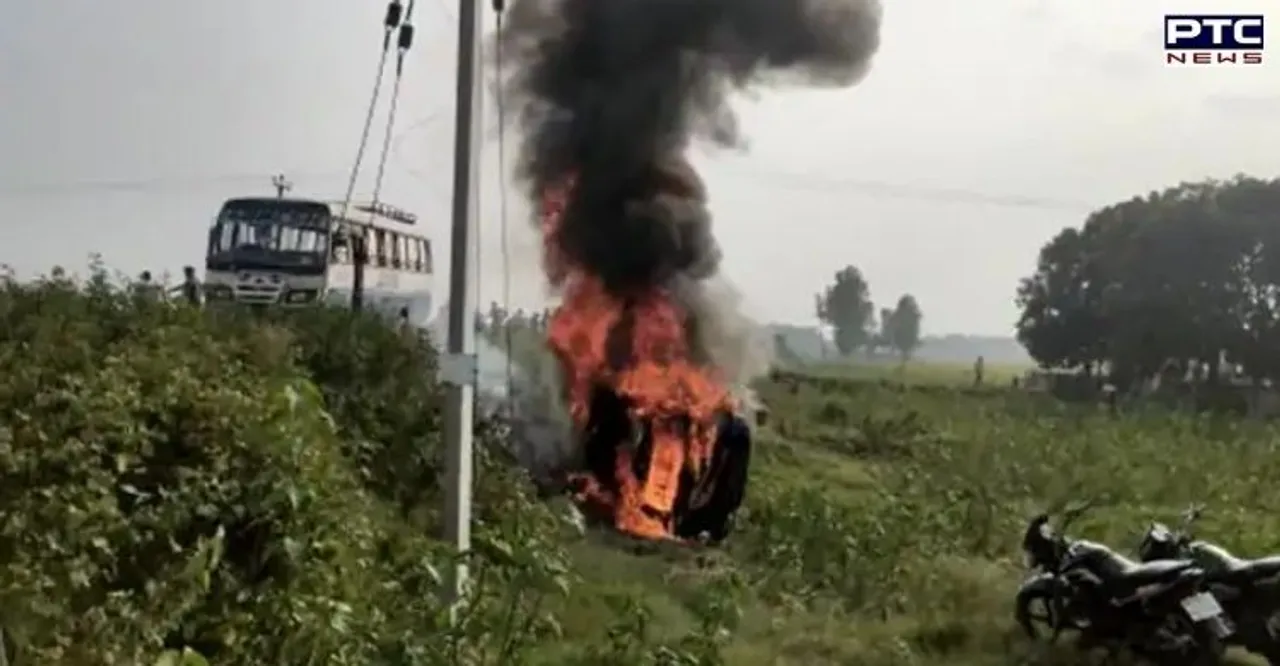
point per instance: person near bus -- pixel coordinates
(190, 290)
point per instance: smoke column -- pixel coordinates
(615, 91)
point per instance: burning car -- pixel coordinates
(665, 453)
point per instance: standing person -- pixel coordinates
(190, 290)
(146, 288)
(979, 366)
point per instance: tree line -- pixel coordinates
(846, 307)
(1186, 279)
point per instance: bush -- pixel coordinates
(237, 485)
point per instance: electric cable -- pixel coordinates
(390, 22)
(404, 42)
(499, 7)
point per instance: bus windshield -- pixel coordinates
(274, 234)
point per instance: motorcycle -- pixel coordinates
(1044, 551)
(1159, 611)
(1248, 589)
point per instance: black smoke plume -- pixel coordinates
(615, 91)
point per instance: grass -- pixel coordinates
(917, 373)
(881, 527)
(884, 521)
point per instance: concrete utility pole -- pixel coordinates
(458, 368)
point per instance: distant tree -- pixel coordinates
(901, 327)
(882, 337)
(846, 307)
(1175, 279)
(518, 321)
(497, 319)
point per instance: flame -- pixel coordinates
(678, 399)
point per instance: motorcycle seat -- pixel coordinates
(1136, 574)
(1263, 567)
(1239, 569)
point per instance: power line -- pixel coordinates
(403, 43)
(913, 192)
(145, 185)
(389, 24)
(500, 103)
(777, 179)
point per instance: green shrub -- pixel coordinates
(178, 479)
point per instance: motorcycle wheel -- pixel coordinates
(1035, 612)
(713, 520)
(1206, 649)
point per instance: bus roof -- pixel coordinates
(378, 215)
(377, 211)
(263, 201)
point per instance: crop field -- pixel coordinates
(916, 373)
(262, 489)
(884, 524)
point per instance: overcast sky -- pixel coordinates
(982, 129)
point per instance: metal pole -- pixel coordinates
(458, 368)
(359, 259)
(281, 184)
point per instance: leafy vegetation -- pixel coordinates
(252, 489)
(1160, 282)
(181, 486)
(845, 306)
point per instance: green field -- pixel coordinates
(262, 490)
(884, 524)
(917, 373)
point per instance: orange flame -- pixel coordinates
(677, 398)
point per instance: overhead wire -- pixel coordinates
(149, 184)
(390, 23)
(404, 42)
(499, 7)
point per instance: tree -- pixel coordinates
(1177, 277)
(901, 327)
(846, 307)
(882, 337)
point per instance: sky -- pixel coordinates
(981, 131)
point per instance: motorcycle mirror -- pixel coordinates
(1039, 525)
(1072, 514)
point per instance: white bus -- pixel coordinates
(297, 252)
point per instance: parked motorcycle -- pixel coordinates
(1160, 610)
(1248, 589)
(1044, 551)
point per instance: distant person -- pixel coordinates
(403, 320)
(979, 369)
(190, 290)
(146, 287)
(1111, 397)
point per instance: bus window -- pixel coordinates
(426, 256)
(397, 243)
(380, 249)
(339, 247)
(413, 258)
(370, 246)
